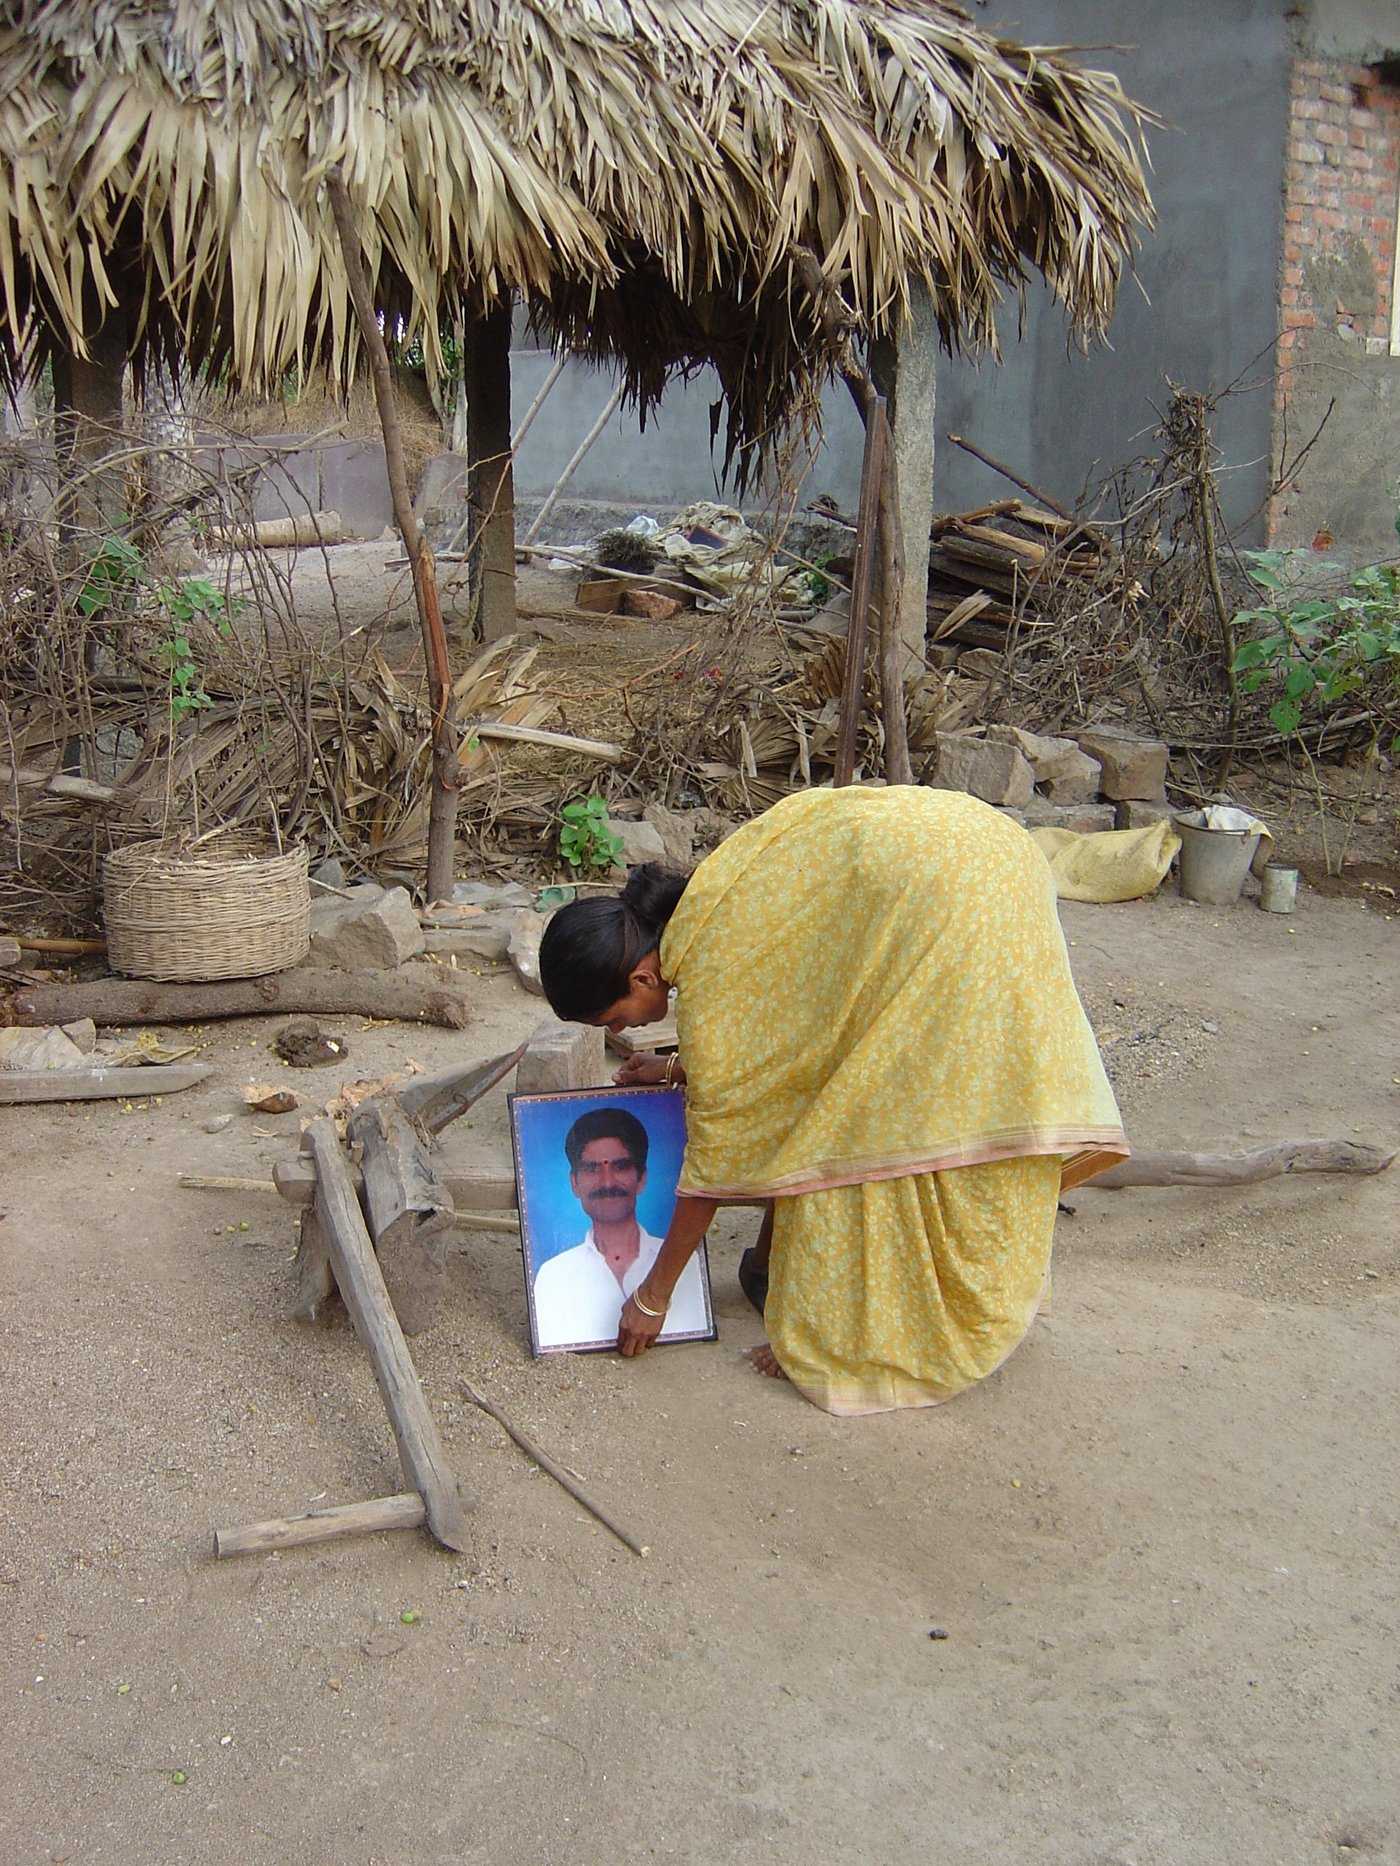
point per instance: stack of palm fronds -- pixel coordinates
(643, 176)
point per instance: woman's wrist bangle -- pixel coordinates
(669, 1079)
(657, 1315)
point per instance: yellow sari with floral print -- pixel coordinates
(880, 1032)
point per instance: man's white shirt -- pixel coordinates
(578, 1299)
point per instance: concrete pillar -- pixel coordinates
(904, 371)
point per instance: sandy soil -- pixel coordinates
(1161, 1542)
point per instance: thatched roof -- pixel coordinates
(640, 173)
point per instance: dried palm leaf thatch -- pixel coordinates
(642, 175)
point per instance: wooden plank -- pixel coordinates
(473, 1189)
(36, 1085)
(405, 1511)
(656, 1038)
(421, 1451)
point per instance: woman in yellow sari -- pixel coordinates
(880, 1034)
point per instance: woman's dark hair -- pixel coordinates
(591, 947)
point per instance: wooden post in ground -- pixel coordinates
(490, 469)
(407, 1208)
(862, 581)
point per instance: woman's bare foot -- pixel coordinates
(764, 1361)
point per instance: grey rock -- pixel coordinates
(641, 841)
(1085, 819)
(491, 894)
(677, 830)
(996, 773)
(1133, 768)
(523, 948)
(377, 928)
(562, 1056)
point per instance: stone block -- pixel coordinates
(562, 1056)
(523, 948)
(486, 937)
(376, 929)
(641, 840)
(1085, 819)
(996, 773)
(1132, 767)
(1063, 772)
(1138, 813)
(491, 894)
(677, 830)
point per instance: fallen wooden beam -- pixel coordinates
(421, 1451)
(405, 1511)
(39, 1085)
(1244, 1168)
(309, 989)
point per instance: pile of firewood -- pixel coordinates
(1001, 568)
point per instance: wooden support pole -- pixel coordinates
(442, 806)
(405, 1511)
(421, 1450)
(862, 581)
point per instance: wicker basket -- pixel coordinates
(228, 908)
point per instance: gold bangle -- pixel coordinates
(668, 1080)
(657, 1315)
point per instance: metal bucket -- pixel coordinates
(1213, 862)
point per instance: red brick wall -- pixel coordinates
(1341, 195)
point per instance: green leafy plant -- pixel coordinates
(1320, 649)
(186, 605)
(585, 840)
(116, 572)
(1315, 651)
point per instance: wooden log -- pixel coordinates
(57, 784)
(421, 1450)
(405, 1511)
(308, 989)
(434, 1101)
(1246, 1167)
(315, 1279)
(41, 1085)
(407, 1208)
(75, 948)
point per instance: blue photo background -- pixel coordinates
(553, 1219)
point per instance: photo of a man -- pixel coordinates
(579, 1290)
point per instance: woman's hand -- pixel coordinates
(636, 1331)
(641, 1069)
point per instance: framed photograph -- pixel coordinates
(596, 1172)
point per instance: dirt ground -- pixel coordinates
(1132, 1602)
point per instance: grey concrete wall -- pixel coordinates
(1218, 71)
